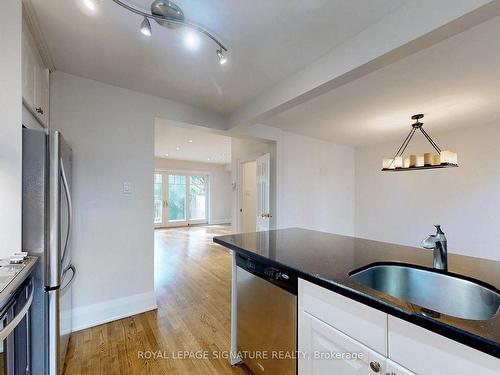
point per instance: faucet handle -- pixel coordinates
(438, 229)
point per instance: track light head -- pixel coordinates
(146, 27)
(221, 56)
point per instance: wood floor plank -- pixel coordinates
(193, 287)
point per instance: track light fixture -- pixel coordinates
(168, 14)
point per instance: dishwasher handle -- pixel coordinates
(11, 326)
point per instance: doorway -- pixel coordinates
(180, 199)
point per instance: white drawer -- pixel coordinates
(361, 322)
(428, 353)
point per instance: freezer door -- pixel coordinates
(53, 337)
(60, 304)
(65, 308)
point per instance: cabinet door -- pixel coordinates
(42, 93)
(394, 369)
(323, 350)
(28, 72)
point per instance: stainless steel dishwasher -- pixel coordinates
(266, 317)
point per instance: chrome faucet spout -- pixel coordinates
(438, 243)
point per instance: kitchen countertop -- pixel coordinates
(327, 260)
(13, 275)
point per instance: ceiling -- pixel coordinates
(174, 142)
(267, 41)
(454, 83)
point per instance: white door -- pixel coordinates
(248, 207)
(326, 351)
(263, 193)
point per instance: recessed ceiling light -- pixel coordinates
(166, 155)
(208, 159)
(146, 27)
(177, 148)
(191, 40)
(190, 140)
(90, 4)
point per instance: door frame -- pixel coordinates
(166, 172)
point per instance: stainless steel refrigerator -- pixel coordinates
(47, 222)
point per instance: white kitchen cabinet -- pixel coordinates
(331, 323)
(325, 351)
(392, 368)
(35, 83)
(363, 323)
(427, 353)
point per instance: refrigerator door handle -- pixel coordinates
(70, 213)
(71, 268)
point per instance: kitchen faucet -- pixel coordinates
(437, 242)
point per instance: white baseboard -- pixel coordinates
(220, 221)
(105, 312)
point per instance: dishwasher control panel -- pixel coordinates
(271, 273)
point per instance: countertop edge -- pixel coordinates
(18, 279)
(463, 337)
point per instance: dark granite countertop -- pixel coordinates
(327, 259)
(13, 275)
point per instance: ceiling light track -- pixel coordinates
(162, 19)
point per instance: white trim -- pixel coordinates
(105, 312)
(220, 221)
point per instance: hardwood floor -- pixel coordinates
(193, 285)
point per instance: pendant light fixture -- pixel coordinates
(442, 159)
(168, 14)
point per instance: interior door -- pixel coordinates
(263, 193)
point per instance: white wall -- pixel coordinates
(10, 128)
(314, 181)
(315, 184)
(402, 207)
(220, 185)
(111, 131)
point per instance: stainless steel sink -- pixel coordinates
(432, 290)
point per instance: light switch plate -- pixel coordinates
(127, 188)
